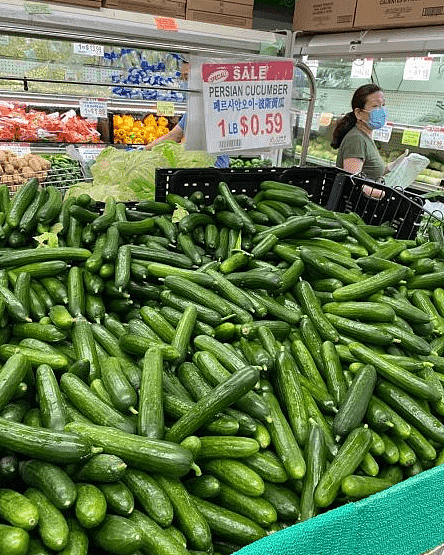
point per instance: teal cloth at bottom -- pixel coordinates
(406, 519)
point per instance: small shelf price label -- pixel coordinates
(432, 137)
(362, 68)
(312, 64)
(411, 137)
(93, 108)
(164, 108)
(384, 134)
(247, 105)
(20, 150)
(86, 49)
(166, 23)
(90, 152)
(417, 69)
(315, 121)
(37, 7)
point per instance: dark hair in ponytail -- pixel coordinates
(348, 121)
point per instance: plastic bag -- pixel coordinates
(407, 171)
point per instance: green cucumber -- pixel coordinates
(121, 392)
(268, 465)
(370, 285)
(357, 487)
(119, 499)
(228, 524)
(90, 505)
(283, 439)
(90, 405)
(396, 374)
(51, 405)
(284, 500)
(143, 453)
(315, 457)
(101, 468)
(190, 521)
(207, 407)
(118, 535)
(151, 497)
(52, 525)
(336, 384)
(313, 310)
(150, 418)
(355, 403)
(349, 457)
(17, 510)
(14, 540)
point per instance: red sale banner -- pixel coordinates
(247, 105)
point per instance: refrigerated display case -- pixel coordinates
(408, 64)
(51, 62)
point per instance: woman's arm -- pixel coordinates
(353, 165)
(176, 134)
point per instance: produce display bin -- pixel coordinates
(330, 187)
(406, 519)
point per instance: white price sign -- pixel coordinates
(432, 137)
(88, 49)
(312, 64)
(247, 105)
(314, 122)
(383, 135)
(89, 152)
(362, 68)
(417, 69)
(93, 108)
(21, 150)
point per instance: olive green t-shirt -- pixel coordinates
(357, 144)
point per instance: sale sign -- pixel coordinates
(247, 105)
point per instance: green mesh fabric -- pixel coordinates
(407, 519)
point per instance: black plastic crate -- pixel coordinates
(329, 187)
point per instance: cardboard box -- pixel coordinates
(167, 8)
(319, 16)
(220, 18)
(222, 7)
(398, 13)
(79, 3)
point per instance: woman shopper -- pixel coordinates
(353, 136)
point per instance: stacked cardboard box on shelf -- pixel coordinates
(398, 13)
(234, 14)
(167, 8)
(325, 16)
(79, 3)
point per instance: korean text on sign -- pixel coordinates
(247, 105)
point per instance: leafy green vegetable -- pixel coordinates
(131, 175)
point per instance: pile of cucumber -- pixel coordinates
(185, 378)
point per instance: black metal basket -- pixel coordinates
(329, 187)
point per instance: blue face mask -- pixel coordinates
(377, 118)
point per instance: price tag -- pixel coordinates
(86, 49)
(70, 75)
(383, 135)
(247, 105)
(90, 152)
(164, 108)
(325, 119)
(93, 108)
(432, 137)
(21, 150)
(312, 64)
(417, 69)
(4, 40)
(166, 23)
(315, 121)
(411, 137)
(362, 68)
(36, 7)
